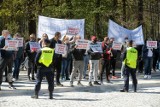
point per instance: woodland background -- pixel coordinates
(22, 15)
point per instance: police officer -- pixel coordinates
(130, 61)
(44, 61)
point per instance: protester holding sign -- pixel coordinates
(105, 60)
(58, 57)
(78, 64)
(65, 59)
(44, 36)
(147, 54)
(31, 49)
(18, 58)
(113, 59)
(95, 54)
(6, 59)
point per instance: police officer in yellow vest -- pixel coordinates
(130, 61)
(44, 61)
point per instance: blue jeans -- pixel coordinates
(64, 70)
(147, 66)
(86, 61)
(17, 63)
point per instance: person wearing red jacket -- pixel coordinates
(105, 60)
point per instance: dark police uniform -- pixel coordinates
(130, 61)
(44, 61)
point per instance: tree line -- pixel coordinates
(22, 15)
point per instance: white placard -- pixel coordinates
(72, 31)
(60, 48)
(117, 45)
(152, 44)
(34, 46)
(82, 44)
(12, 45)
(96, 48)
(20, 42)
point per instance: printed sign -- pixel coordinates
(60, 48)
(34, 46)
(117, 45)
(72, 31)
(152, 44)
(11, 45)
(96, 48)
(20, 42)
(82, 44)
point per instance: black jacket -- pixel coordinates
(31, 56)
(53, 45)
(4, 53)
(94, 55)
(78, 54)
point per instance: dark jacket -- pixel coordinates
(4, 53)
(31, 55)
(53, 45)
(105, 48)
(78, 54)
(94, 55)
(38, 55)
(145, 52)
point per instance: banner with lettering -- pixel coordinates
(82, 44)
(67, 27)
(96, 48)
(116, 45)
(60, 49)
(119, 33)
(11, 45)
(152, 44)
(34, 46)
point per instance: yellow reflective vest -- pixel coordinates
(46, 56)
(131, 57)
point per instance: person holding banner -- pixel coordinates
(31, 49)
(18, 58)
(105, 60)
(130, 60)
(58, 59)
(95, 54)
(45, 61)
(78, 64)
(6, 59)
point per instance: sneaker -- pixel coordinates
(96, 83)
(59, 84)
(149, 76)
(71, 84)
(67, 79)
(34, 96)
(114, 77)
(145, 76)
(79, 83)
(13, 79)
(12, 87)
(90, 84)
(123, 90)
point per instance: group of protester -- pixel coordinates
(75, 61)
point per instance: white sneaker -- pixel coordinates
(149, 76)
(145, 76)
(13, 79)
